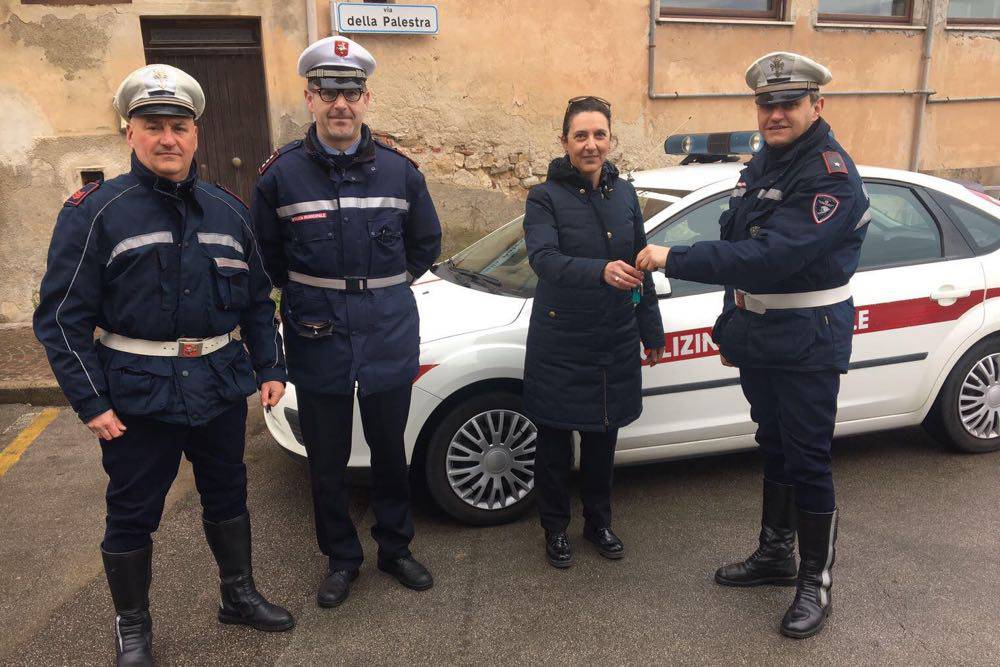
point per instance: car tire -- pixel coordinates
(508, 455)
(958, 399)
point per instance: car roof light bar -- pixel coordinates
(714, 143)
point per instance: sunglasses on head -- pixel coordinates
(586, 98)
(331, 94)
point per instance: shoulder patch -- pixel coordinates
(278, 152)
(77, 197)
(386, 143)
(824, 206)
(230, 192)
(834, 163)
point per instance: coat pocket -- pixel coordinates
(306, 312)
(232, 283)
(234, 372)
(139, 385)
(782, 337)
(387, 247)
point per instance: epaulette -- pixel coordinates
(834, 163)
(230, 192)
(77, 197)
(278, 152)
(384, 142)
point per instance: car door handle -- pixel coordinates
(946, 295)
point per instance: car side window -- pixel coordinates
(982, 229)
(700, 223)
(901, 231)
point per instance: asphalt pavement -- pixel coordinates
(915, 580)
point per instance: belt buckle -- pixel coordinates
(740, 299)
(356, 283)
(746, 301)
(189, 347)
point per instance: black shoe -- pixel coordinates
(335, 587)
(558, 550)
(129, 575)
(773, 563)
(817, 549)
(408, 571)
(608, 544)
(240, 603)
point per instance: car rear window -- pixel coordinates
(981, 228)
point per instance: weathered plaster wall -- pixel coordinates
(60, 69)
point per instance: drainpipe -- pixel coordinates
(654, 8)
(312, 27)
(925, 75)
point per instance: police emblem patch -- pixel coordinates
(340, 47)
(824, 206)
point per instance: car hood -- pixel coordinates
(447, 309)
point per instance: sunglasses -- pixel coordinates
(331, 94)
(586, 98)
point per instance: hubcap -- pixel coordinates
(979, 399)
(491, 459)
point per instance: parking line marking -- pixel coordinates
(12, 453)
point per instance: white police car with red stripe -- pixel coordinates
(926, 348)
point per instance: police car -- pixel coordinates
(926, 347)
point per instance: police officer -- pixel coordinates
(790, 243)
(166, 265)
(345, 225)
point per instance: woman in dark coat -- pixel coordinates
(583, 228)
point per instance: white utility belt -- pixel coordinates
(349, 284)
(182, 347)
(761, 303)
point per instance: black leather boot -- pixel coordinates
(335, 588)
(817, 550)
(558, 550)
(129, 575)
(240, 602)
(773, 563)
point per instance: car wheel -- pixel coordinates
(967, 413)
(481, 460)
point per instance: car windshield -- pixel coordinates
(498, 262)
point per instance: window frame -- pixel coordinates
(970, 21)
(777, 14)
(707, 201)
(907, 18)
(941, 200)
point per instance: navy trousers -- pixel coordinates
(553, 456)
(795, 413)
(327, 421)
(143, 462)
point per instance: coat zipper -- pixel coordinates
(607, 422)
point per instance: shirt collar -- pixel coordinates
(165, 185)
(350, 150)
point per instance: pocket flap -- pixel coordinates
(230, 267)
(141, 364)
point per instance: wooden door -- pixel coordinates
(224, 55)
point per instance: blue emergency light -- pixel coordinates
(715, 143)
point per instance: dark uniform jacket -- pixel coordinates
(795, 223)
(148, 258)
(372, 219)
(582, 364)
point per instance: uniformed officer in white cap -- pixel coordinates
(790, 242)
(166, 265)
(346, 224)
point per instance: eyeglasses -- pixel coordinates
(331, 94)
(586, 98)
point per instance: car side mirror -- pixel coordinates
(662, 284)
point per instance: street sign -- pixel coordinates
(358, 17)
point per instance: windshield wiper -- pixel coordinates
(474, 276)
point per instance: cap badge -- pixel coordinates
(777, 66)
(340, 47)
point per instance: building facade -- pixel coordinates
(479, 104)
